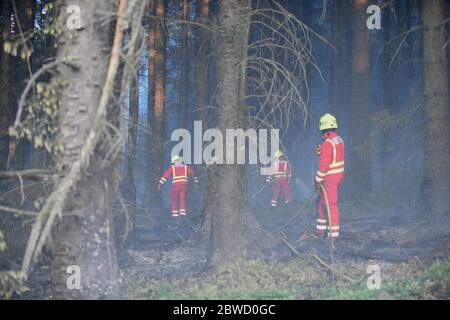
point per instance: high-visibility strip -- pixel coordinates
(334, 171)
(337, 164)
(175, 177)
(282, 173)
(334, 227)
(334, 164)
(334, 149)
(333, 234)
(321, 174)
(321, 221)
(319, 227)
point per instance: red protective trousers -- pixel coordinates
(281, 184)
(328, 216)
(178, 194)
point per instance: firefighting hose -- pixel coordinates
(327, 204)
(307, 203)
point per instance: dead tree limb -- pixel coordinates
(36, 175)
(18, 211)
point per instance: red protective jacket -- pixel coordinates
(279, 169)
(179, 174)
(331, 160)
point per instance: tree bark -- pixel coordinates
(390, 81)
(5, 81)
(83, 236)
(25, 24)
(201, 63)
(158, 109)
(337, 59)
(151, 53)
(227, 239)
(133, 118)
(437, 136)
(359, 154)
(184, 74)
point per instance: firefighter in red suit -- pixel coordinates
(329, 177)
(280, 176)
(179, 173)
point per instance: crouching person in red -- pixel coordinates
(179, 173)
(329, 177)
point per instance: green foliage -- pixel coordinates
(11, 282)
(408, 281)
(40, 123)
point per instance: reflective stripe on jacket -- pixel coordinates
(331, 160)
(179, 174)
(280, 169)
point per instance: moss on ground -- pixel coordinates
(299, 279)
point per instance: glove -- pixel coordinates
(318, 182)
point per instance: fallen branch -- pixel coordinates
(18, 211)
(315, 257)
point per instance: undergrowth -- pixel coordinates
(299, 279)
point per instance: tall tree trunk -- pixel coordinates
(158, 109)
(83, 236)
(5, 83)
(184, 74)
(359, 166)
(24, 24)
(133, 118)
(201, 63)
(437, 136)
(227, 239)
(337, 67)
(151, 54)
(390, 81)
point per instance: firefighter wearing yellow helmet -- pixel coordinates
(179, 173)
(329, 176)
(280, 175)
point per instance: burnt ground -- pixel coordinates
(368, 233)
(165, 248)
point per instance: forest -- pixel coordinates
(176, 149)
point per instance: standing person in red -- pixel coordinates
(329, 176)
(280, 175)
(179, 173)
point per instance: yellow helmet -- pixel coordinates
(279, 153)
(175, 158)
(328, 122)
